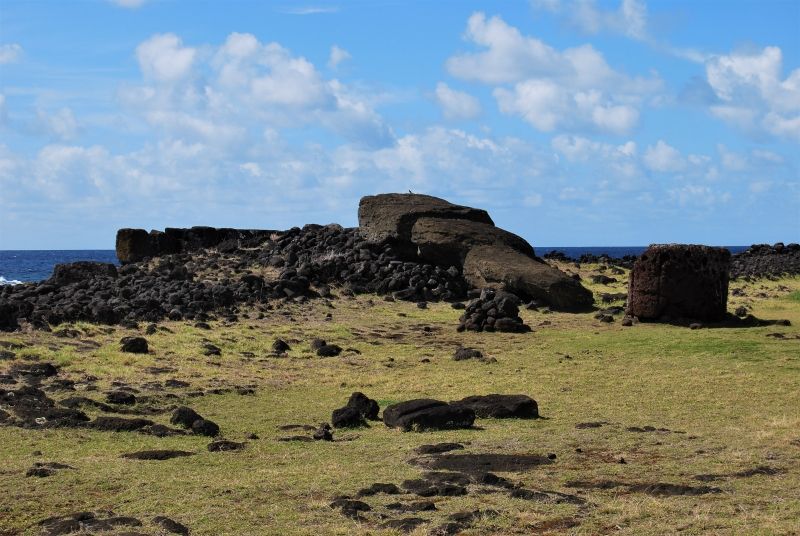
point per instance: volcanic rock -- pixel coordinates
(508, 269)
(501, 406)
(134, 345)
(425, 414)
(680, 281)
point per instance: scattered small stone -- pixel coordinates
(438, 448)
(280, 346)
(223, 445)
(157, 454)
(134, 345)
(323, 433)
(329, 350)
(171, 526)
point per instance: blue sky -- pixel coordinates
(574, 122)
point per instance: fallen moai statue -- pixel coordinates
(434, 230)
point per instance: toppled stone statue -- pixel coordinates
(680, 281)
(434, 230)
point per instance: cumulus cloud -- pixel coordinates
(242, 85)
(9, 53)
(573, 89)
(163, 58)
(61, 125)
(456, 104)
(752, 93)
(663, 158)
(337, 56)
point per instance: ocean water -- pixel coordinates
(17, 266)
(36, 265)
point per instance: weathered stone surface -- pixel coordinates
(679, 281)
(133, 245)
(501, 406)
(447, 241)
(427, 414)
(64, 274)
(506, 268)
(392, 216)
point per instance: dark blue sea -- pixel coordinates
(34, 265)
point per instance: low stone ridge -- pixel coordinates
(501, 406)
(761, 260)
(427, 414)
(678, 281)
(64, 274)
(134, 245)
(308, 261)
(493, 311)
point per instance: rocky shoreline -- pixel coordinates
(407, 247)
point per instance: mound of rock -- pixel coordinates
(442, 233)
(359, 408)
(427, 414)
(493, 311)
(134, 245)
(762, 260)
(501, 406)
(678, 281)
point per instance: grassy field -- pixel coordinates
(728, 400)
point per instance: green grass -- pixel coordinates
(733, 393)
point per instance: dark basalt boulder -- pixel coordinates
(184, 416)
(392, 216)
(446, 242)
(347, 417)
(493, 311)
(508, 269)
(365, 405)
(501, 406)
(64, 274)
(427, 414)
(435, 231)
(359, 407)
(133, 245)
(134, 345)
(680, 281)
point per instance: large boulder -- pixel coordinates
(447, 242)
(501, 406)
(427, 414)
(439, 232)
(64, 274)
(502, 267)
(680, 281)
(392, 216)
(133, 245)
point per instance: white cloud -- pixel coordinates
(456, 104)
(163, 58)
(573, 89)
(752, 95)
(9, 53)
(629, 19)
(61, 125)
(130, 4)
(230, 89)
(337, 56)
(663, 158)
